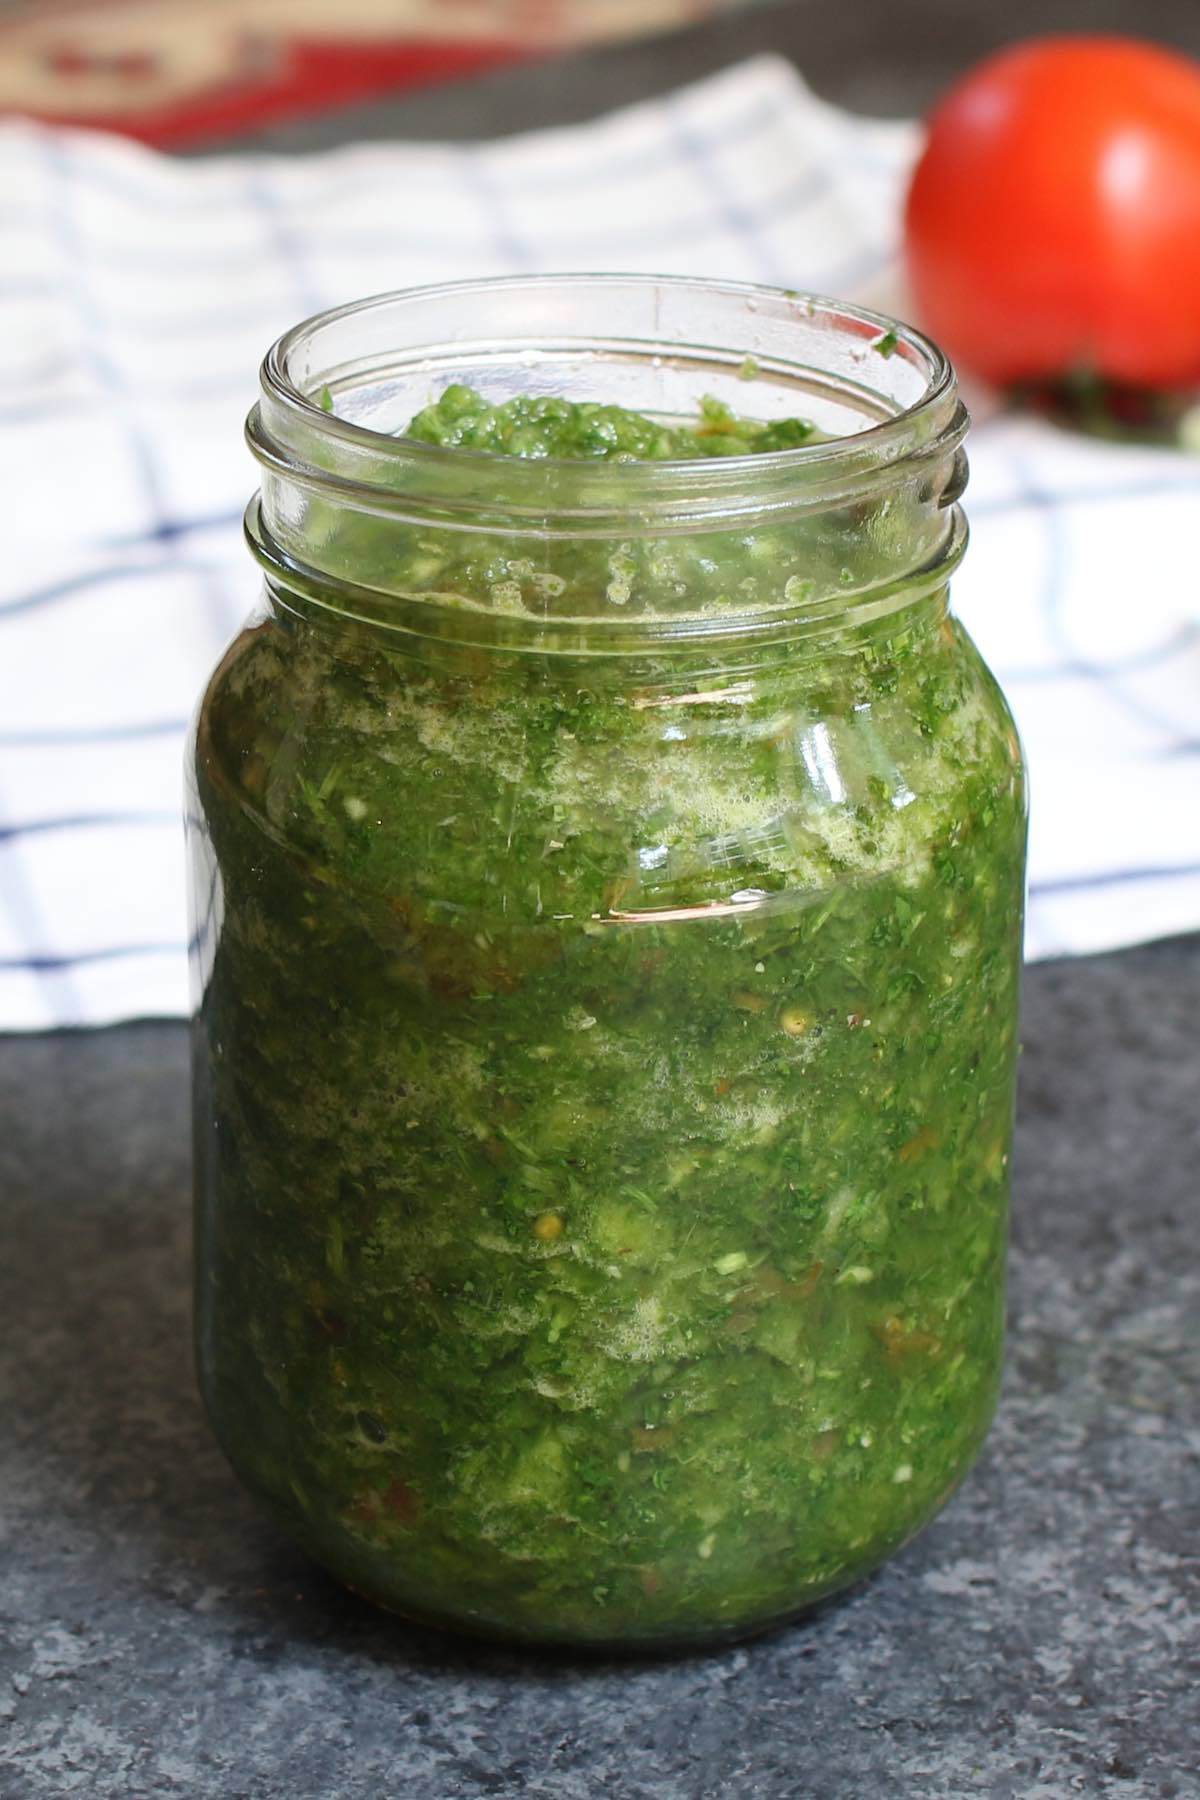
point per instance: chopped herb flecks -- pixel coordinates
(605, 1072)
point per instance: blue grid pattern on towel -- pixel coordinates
(136, 298)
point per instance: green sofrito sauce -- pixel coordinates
(604, 1077)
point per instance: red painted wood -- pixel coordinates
(310, 77)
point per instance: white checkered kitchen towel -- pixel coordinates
(137, 295)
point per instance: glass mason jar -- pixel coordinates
(608, 889)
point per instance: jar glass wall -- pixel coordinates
(607, 883)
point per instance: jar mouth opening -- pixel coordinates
(878, 390)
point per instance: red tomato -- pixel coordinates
(1053, 222)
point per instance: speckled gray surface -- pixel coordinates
(1039, 1641)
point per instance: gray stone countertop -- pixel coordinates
(1039, 1641)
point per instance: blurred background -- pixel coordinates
(189, 73)
(182, 180)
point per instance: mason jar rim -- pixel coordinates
(361, 462)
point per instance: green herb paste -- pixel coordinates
(604, 1078)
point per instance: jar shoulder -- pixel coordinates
(567, 789)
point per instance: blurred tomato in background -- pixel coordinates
(1053, 221)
